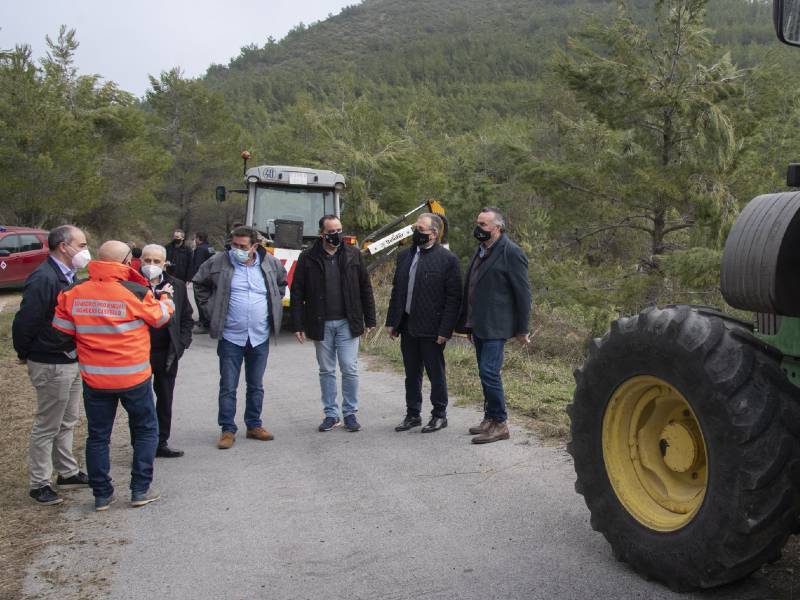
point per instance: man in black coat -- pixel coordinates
(496, 307)
(332, 303)
(52, 366)
(179, 256)
(167, 344)
(201, 253)
(423, 309)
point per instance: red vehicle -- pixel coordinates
(21, 250)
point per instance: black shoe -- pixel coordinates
(435, 424)
(80, 479)
(351, 423)
(408, 423)
(329, 423)
(45, 496)
(199, 328)
(167, 452)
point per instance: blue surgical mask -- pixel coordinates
(241, 256)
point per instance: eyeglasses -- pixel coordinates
(127, 259)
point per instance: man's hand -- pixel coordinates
(523, 338)
(441, 340)
(370, 329)
(22, 361)
(391, 331)
(168, 289)
(300, 335)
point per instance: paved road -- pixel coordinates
(372, 515)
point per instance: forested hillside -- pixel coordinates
(621, 138)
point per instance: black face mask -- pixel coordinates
(420, 239)
(481, 235)
(334, 239)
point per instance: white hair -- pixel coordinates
(156, 248)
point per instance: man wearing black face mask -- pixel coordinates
(497, 306)
(331, 304)
(424, 306)
(179, 256)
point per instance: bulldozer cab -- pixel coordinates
(285, 203)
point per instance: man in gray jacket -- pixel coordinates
(242, 291)
(496, 307)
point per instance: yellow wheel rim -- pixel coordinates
(654, 453)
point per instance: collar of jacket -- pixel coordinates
(100, 270)
(318, 252)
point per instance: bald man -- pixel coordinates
(108, 315)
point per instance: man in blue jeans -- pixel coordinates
(242, 291)
(332, 303)
(496, 307)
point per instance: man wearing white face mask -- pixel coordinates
(52, 366)
(167, 344)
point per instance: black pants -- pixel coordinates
(419, 353)
(202, 316)
(164, 386)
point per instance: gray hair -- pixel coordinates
(499, 219)
(62, 233)
(436, 222)
(156, 247)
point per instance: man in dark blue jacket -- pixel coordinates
(52, 366)
(424, 306)
(496, 307)
(202, 252)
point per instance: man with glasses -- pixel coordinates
(423, 309)
(242, 291)
(332, 304)
(52, 367)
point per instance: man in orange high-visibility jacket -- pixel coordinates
(109, 315)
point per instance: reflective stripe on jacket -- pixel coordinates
(109, 315)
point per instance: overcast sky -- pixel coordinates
(125, 41)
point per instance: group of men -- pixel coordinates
(332, 304)
(119, 334)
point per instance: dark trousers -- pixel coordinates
(419, 353)
(202, 315)
(490, 362)
(164, 387)
(101, 408)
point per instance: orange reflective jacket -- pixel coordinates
(109, 314)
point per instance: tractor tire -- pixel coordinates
(685, 443)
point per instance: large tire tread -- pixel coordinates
(749, 414)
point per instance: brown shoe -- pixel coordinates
(259, 433)
(483, 427)
(495, 433)
(226, 440)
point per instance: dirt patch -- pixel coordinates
(29, 532)
(26, 527)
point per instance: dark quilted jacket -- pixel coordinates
(436, 300)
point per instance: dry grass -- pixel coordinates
(26, 527)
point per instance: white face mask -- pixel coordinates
(152, 271)
(81, 259)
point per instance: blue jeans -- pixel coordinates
(490, 363)
(101, 408)
(230, 366)
(338, 341)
